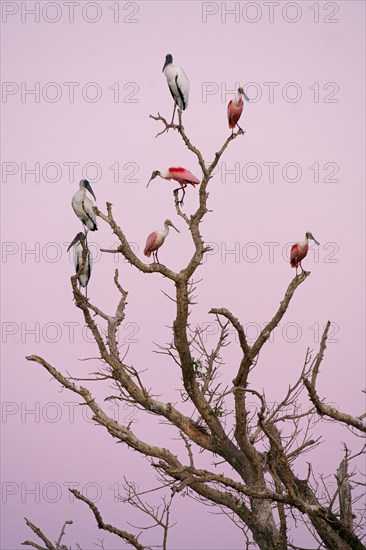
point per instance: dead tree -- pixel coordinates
(261, 494)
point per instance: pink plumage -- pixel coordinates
(298, 253)
(179, 174)
(182, 176)
(234, 111)
(156, 239)
(153, 242)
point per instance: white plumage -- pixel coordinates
(84, 274)
(83, 206)
(178, 84)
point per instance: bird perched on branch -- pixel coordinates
(156, 239)
(178, 84)
(83, 206)
(235, 109)
(179, 174)
(83, 270)
(300, 250)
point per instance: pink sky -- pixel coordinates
(315, 147)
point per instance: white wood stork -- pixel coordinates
(83, 206)
(178, 84)
(83, 272)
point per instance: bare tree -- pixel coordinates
(261, 494)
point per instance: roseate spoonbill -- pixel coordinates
(299, 251)
(235, 108)
(178, 84)
(83, 206)
(179, 174)
(84, 275)
(156, 239)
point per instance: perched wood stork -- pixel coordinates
(235, 108)
(179, 174)
(178, 84)
(299, 251)
(156, 239)
(83, 271)
(83, 206)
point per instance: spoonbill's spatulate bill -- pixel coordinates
(235, 109)
(178, 84)
(300, 250)
(156, 239)
(179, 174)
(83, 274)
(83, 206)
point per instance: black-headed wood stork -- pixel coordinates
(83, 271)
(178, 84)
(156, 239)
(83, 206)
(299, 251)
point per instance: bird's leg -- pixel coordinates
(175, 106)
(241, 129)
(302, 270)
(86, 231)
(156, 256)
(175, 193)
(184, 192)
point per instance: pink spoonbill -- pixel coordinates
(178, 84)
(179, 174)
(156, 239)
(235, 108)
(299, 251)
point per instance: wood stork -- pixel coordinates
(83, 206)
(156, 239)
(235, 108)
(83, 271)
(179, 174)
(178, 84)
(299, 251)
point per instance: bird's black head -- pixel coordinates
(168, 60)
(86, 184)
(80, 238)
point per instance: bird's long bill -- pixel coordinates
(246, 97)
(89, 188)
(76, 240)
(177, 230)
(148, 182)
(167, 62)
(316, 242)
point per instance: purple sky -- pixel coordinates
(298, 168)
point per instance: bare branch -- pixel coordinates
(40, 535)
(128, 537)
(323, 409)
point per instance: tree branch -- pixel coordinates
(128, 537)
